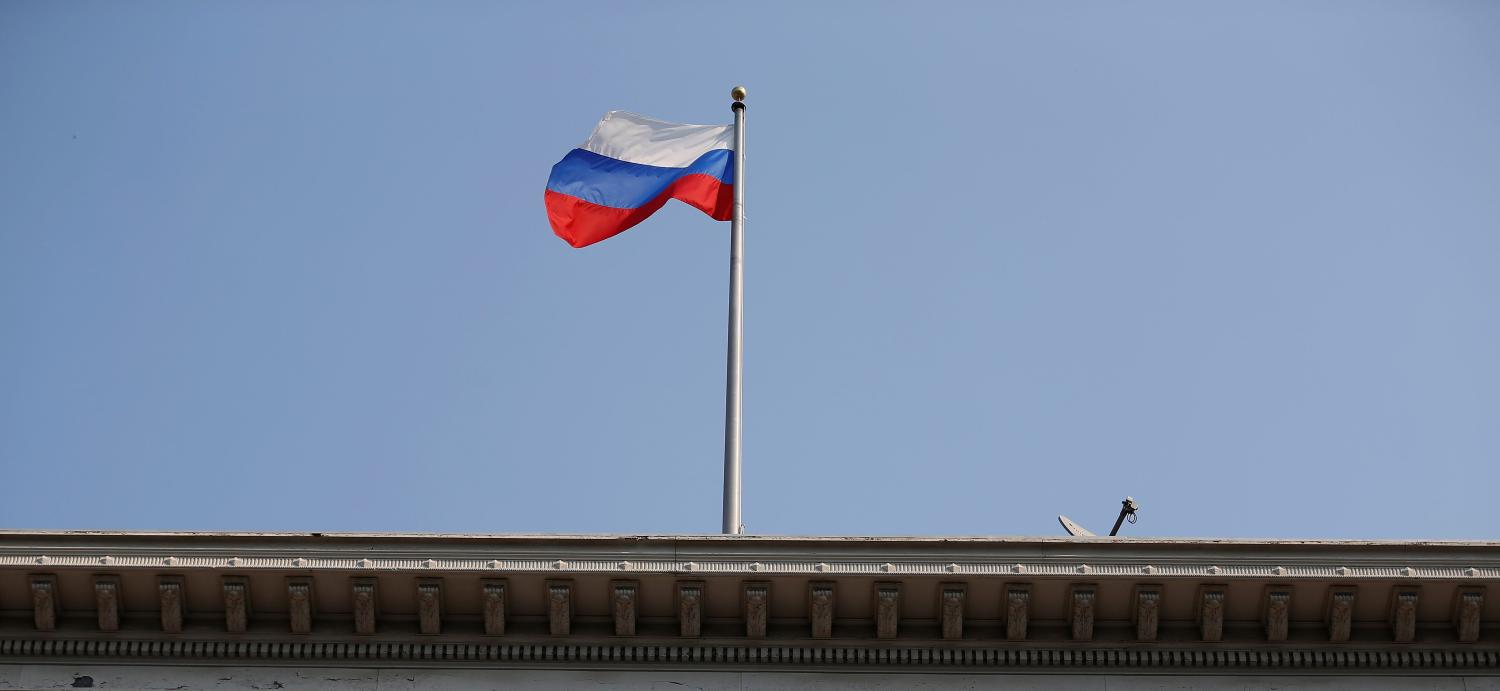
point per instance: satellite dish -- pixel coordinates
(1073, 528)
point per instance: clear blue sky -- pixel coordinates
(285, 266)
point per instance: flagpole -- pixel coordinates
(733, 386)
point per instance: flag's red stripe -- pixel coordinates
(581, 223)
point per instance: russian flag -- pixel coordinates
(630, 166)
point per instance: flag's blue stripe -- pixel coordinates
(623, 185)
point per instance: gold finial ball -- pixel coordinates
(737, 93)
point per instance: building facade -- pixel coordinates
(384, 611)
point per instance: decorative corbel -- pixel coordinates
(690, 608)
(430, 606)
(757, 606)
(1081, 598)
(492, 592)
(1340, 613)
(44, 601)
(299, 599)
(623, 594)
(887, 609)
(820, 608)
(1211, 601)
(1403, 615)
(364, 605)
(107, 602)
(1277, 612)
(1147, 612)
(1017, 610)
(1468, 613)
(169, 590)
(951, 607)
(236, 603)
(560, 607)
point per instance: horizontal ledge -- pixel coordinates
(1075, 658)
(1052, 568)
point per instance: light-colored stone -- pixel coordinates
(1340, 613)
(1081, 597)
(1403, 618)
(559, 607)
(820, 608)
(690, 596)
(624, 595)
(492, 594)
(874, 634)
(1017, 610)
(299, 598)
(107, 602)
(44, 601)
(756, 596)
(236, 603)
(1277, 613)
(1468, 613)
(430, 606)
(1211, 612)
(887, 610)
(1147, 613)
(173, 602)
(951, 607)
(364, 604)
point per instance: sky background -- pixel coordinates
(286, 266)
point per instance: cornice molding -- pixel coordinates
(566, 564)
(678, 655)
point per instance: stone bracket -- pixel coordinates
(299, 599)
(951, 597)
(44, 607)
(624, 596)
(887, 608)
(1340, 612)
(430, 606)
(1403, 614)
(492, 593)
(107, 602)
(1081, 600)
(173, 602)
(236, 603)
(1017, 610)
(1210, 605)
(690, 608)
(364, 605)
(756, 596)
(820, 608)
(1468, 613)
(559, 607)
(1276, 612)
(1146, 615)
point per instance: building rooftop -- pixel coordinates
(536, 599)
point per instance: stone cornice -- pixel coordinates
(1202, 568)
(676, 655)
(751, 556)
(986, 604)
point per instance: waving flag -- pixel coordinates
(630, 166)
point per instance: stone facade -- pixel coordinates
(756, 609)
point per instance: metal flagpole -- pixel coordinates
(733, 398)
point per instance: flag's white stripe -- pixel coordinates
(638, 139)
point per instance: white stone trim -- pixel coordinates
(1061, 568)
